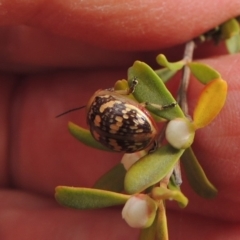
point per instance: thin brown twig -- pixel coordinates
(182, 92)
(182, 96)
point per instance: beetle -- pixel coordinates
(119, 123)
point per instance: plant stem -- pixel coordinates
(162, 229)
(182, 96)
(150, 232)
(182, 92)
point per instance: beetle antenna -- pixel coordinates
(71, 110)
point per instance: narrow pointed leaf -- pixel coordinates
(196, 176)
(151, 168)
(203, 72)
(210, 103)
(84, 136)
(175, 187)
(233, 44)
(162, 60)
(113, 180)
(165, 74)
(167, 194)
(229, 28)
(151, 89)
(87, 198)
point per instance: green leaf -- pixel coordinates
(87, 198)
(151, 89)
(172, 185)
(162, 60)
(151, 168)
(161, 193)
(229, 28)
(165, 74)
(121, 85)
(203, 72)
(233, 44)
(113, 180)
(84, 136)
(196, 176)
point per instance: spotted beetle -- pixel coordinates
(119, 123)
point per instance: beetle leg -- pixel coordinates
(158, 106)
(154, 147)
(134, 84)
(130, 90)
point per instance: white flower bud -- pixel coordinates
(180, 133)
(139, 211)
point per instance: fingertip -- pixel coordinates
(131, 25)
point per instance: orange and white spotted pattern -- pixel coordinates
(120, 123)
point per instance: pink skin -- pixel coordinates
(38, 153)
